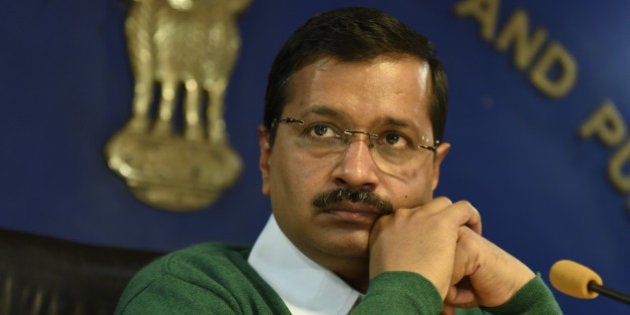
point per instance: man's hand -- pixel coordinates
(484, 274)
(442, 241)
(422, 240)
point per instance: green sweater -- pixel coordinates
(215, 278)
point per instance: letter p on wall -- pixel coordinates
(606, 123)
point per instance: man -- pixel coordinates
(350, 155)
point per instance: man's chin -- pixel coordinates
(351, 245)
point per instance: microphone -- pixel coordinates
(581, 282)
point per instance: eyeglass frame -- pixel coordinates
(349, 133)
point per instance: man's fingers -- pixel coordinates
(461, 212)
(422, 239)
(461, 295)
(436, 205)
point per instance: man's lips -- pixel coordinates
(349, 211)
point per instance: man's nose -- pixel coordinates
(357, 168)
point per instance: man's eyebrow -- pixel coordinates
(322, 110)
(327, 111)
(391, 121)
(401, 123)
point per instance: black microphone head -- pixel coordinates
(572, 279)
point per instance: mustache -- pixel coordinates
(329, 198)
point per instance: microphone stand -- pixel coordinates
(621, 297)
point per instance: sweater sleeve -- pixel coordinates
(533, 298)
(410, 293)
(400, 292)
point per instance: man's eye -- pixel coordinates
(322, 130)
(395, 140)
(392, 138)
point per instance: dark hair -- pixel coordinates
(352, 34)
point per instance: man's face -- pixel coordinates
(386, 93)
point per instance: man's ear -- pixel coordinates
(440, 154)
(265, 157)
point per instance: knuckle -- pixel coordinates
(444, 200)
(464, 204)
(467, 205)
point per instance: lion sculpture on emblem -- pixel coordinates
(182, 53)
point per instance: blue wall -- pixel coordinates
(543, 190)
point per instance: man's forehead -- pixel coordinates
(303, 100)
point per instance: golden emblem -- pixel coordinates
(183, 52)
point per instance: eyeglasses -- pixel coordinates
(393, 151)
